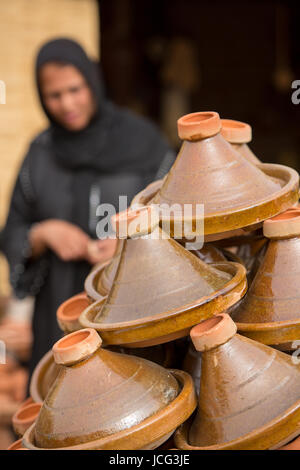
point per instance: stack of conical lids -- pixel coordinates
(105, 400)
(160, 291)
(239, 134)
(270, 312)
(98, 283)
(249, 396)
(209, 172)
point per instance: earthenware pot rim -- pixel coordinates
(284, 225)
(182, 433)
(76, 347)
(239, 273)
(267, 326)
(69, 323)
(41, 368)
(90, 280)
(289, 179)
(179, 409)
(236, 132)
(199, 125)
(60, 311)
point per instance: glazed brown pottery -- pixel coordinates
(43, 377)
(239, 134)
(25, 417)
(160, 291)
(69, 312)
(294, 445)
(105, 400)
(249, 396)
(270, 312)
(208, 171)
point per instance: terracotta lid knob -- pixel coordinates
(25, 417)
(284, 225)
(17, 445)
(197, 126)
(76, 346)
(236, 132)
(213, 332)
(135, 222)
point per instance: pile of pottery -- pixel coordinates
(151, 354)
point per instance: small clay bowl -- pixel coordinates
(69, 312)
(24, 417)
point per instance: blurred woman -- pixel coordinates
(91, 153)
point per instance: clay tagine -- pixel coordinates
(235, 193)
(105, 400)
(249, 395)
(270, 312)
(160, 291)
(239, 134)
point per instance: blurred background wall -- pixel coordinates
(24, 26)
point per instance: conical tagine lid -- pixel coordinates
(249, 395)
(99, 394)
(157, 278)
(271, 309)
(209, 171)
(239, 134)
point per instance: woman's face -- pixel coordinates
(66, 95)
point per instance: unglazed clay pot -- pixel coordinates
(160, 291)
(43, 377)
(270, 312)
(106, 400)
(249, 396)
(192, 365)
(239, 134)
(69, 312)
(208, 171)
(25, 417)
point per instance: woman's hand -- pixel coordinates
(68, 241)
(100, 251)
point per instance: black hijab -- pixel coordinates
(115, 139)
